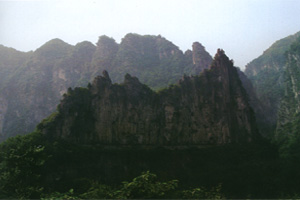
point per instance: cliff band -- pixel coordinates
(211, 108)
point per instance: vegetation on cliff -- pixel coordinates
(208, 109)
(266, 74)
(288, 126)
(33, 83)
(198, 137)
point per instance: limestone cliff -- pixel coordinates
(211, 108)
(288, 124)
(156, 61)
(266, 74)
(201, 59)
(264, 121)
(31, 84)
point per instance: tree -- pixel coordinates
(145, 186)
(21, 162)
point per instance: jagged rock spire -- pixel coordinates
(101, 82)
(211, 108)
(105, 75)
(201, 58)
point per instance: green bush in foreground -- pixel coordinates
(145, 186)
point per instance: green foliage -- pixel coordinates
(146, 186)
(202, 193)
(289, 139)
(295, 47)
(57, 195)
(99, 191)
(288, 128)
(275, 55)
(33, 167)
(47, 121)
(21, 161)
(267, 76)
(38, 78)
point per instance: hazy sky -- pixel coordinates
(243, 28)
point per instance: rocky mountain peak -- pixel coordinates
(131, 79)
(221, 60)
(47, 73)
(106, 48)
(54, 49)
(84, 46)
(101, 82)
(105, 75)
(197, 46)
(135, 89)
(53, 44)
(200, 110)
(105, 41)
(201, 58)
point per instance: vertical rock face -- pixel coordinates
(3, 110)
(264, 121)
(266, 74)
(201, 59)
(11, 63)
(104, 55)
(211, 108)
(29, 92)
(32, 83)
(288, 124)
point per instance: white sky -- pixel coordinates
(243, 28)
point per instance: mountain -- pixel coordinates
(263, 120)
(266, 74)
(211, 108)
(288, 124)
(156, 61)
(33, 83)
(200, 131)
(10, 64)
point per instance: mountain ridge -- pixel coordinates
(266, 74)
(211, 108)
(33, 85)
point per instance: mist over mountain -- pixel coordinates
(33, 83)
(211, 108)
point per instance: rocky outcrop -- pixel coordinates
(201, 59)
(32, 83)
(3, 110)
(264, 121)
(156, 61)
(288, 124)
(266, 74)
(209, 109)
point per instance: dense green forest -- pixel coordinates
(33, 166)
